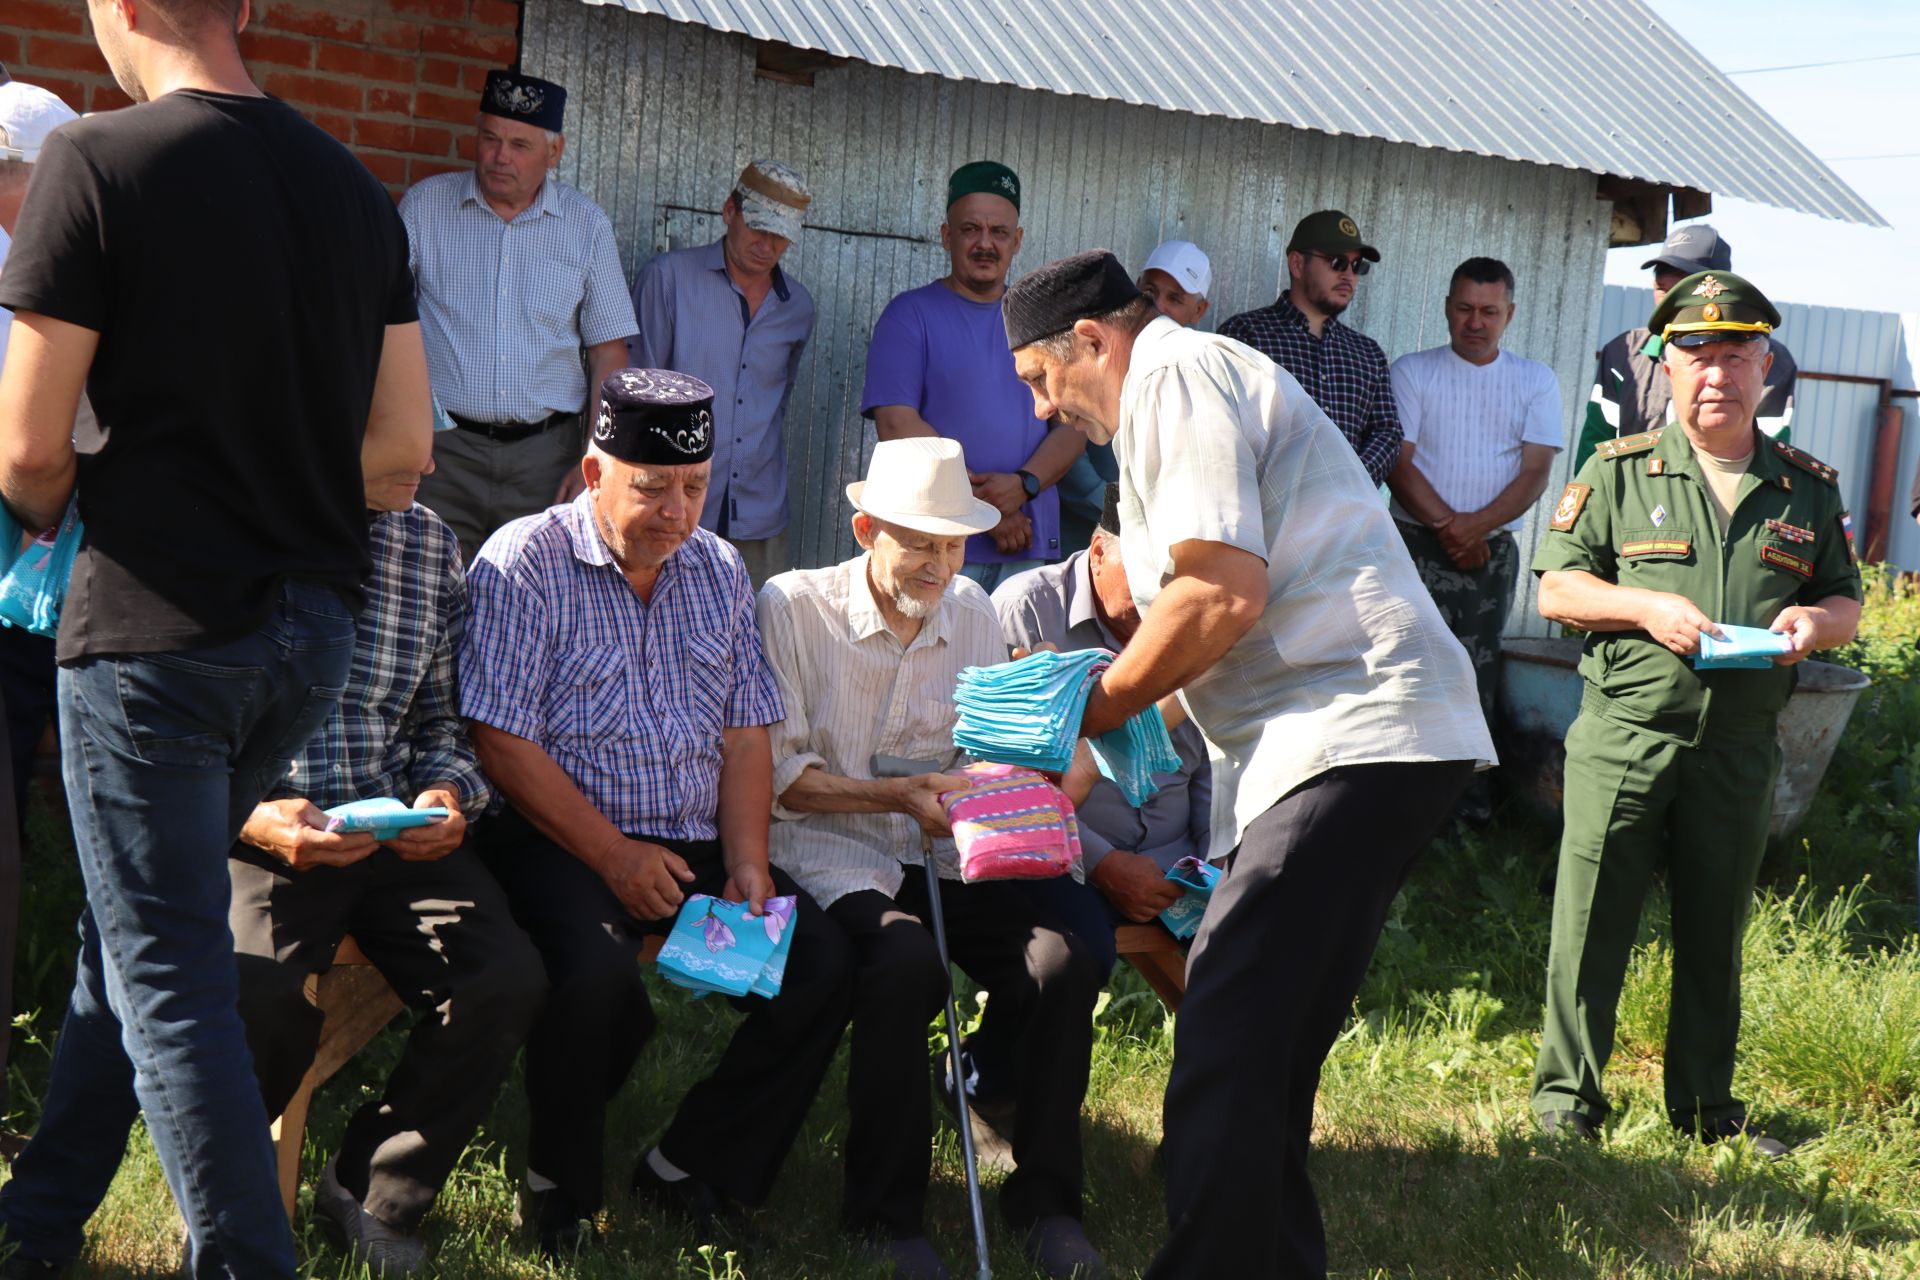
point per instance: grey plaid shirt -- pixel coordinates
(397, 728)
(1345, 372)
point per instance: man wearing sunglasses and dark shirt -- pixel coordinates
(1342, 369)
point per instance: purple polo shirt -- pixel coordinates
(947, 358)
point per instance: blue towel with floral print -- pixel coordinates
(1198, 879)
(719, 946)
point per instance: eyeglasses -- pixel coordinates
(1346, 262)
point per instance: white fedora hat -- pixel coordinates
(921, 483)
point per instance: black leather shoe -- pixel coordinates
(1764, 1144)
(1570, 1124)
(559, 1225)
(715, 1218)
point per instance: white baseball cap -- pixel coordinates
(28, 114)
(1184, 261)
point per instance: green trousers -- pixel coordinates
(1634, 805)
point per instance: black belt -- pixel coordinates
(508, 432)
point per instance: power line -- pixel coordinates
(1894, 155)
(1837, 62)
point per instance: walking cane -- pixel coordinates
(886, 766)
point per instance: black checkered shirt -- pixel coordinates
(397, 728)
(1345, 372)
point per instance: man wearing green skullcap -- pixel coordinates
(1664, 536)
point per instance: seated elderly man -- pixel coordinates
(1084, 603)
(420, 904)
(617, 694)
(866, 653)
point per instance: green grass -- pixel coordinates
(1428, 1162)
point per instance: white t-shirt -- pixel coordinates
(1467, 421)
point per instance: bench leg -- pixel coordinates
(289, 1136)
(1165, 972)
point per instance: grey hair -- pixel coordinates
(1131, 316)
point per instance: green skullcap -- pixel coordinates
(989, 176)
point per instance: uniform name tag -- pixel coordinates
(1569, 506)
(1669, 546)
(1786, 560)
(1791, 532)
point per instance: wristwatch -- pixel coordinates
(1030, 482)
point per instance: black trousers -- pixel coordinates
(1270, 982)
(734, 1127)
(442, 936)
(1039, 975)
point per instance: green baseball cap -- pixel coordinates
(1713, 306)
(1330, 231)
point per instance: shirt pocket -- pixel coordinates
(1638, 545)
(587, 699)
(710, 674)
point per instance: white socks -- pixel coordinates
(667, 1170)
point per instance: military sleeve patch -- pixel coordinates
(1846, 535)
(1807, 462)
(1568, 509)
(1780, 559)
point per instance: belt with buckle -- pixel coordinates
(508, 432)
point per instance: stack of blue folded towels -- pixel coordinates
(1027, 713)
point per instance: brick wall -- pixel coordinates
(396, 80)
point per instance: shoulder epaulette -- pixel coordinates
(1626, 446)
(1807, 462)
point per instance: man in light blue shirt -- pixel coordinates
(728, 315)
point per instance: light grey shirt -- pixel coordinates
(1350, 662)
(851, 689)
(507, 308)
(1054, 605)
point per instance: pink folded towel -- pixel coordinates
(1012, 824)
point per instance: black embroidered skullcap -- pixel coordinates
(1110, 511)
(528, 99)
(1049, 299)
(655, 418)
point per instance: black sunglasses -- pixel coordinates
(1359, 265)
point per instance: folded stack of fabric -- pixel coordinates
(1198, 879)
(1012, 824)
(384, 817)
(1745, 648)
(1027, 713)
(720, 946)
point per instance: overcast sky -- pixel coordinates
(1852, 110)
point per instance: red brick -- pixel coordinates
(438, 10)
(440, 71)
(64, 55)
(463, 43)
(107, 97)
(421, 140)
(364, 63)
(474, 78)
(391, 102)
(41, 15)
(280, 51)
(466, 145)
(71, 92)
(9, 47)
(404, 36)
(496, 13)
(312, 91)
(391, 170)
(316, 22)
(439, 106)
(341, 127)
(418, 169)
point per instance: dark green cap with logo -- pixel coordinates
(1713, 306)
(988, 176)
(1330, 231)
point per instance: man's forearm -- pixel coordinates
(1835, 619)
(1520, 493)
(817, 791)
(1056, 454)
(543, 793)
(1576, 598)
(46, 371)
(900, 422)
(1192, 624)
(1415, 492)
(746, 796)
(602, 360)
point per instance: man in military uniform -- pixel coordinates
(1663, 536)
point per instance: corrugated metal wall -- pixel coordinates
(662, 115)
(1836, 422)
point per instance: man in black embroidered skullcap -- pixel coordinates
(1278, 602)
(614, 684)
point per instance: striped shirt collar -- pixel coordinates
(714, 258)
(864, 619)
(546, 202)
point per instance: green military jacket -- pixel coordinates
(1639, 515)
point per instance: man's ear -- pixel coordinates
(590, 468)
(863, 530)
(1090, 331)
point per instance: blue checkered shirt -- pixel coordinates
(506, 308)
(629, 699)
(397, 728)
(1344, 371)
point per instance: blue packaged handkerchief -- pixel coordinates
(1198, 879)
(718, 946)
(35, 580)
(1745, 648)
(384, 818)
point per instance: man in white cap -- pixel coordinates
(865, 654)
(1177, 278)
(728, 315)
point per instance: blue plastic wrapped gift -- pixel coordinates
(1744, 649)
(1198, 879)
(718, 946)
(383, 818)
(35, 581)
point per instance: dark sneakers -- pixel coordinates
(560, 1225)
(712, 1215)
(1764, 1144)
(1570, 1124)
(1059, 1249)
(913, 1258)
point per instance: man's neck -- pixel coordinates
(991, 294)
(1729, 444)
(508, 212)
(216, 69)
(1490, 357)
(1315, 318)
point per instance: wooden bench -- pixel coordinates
(357, 1005)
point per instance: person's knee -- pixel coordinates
(1063, 968)
(902, 971)
(510, 988)
(598, 981)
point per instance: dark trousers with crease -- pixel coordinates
(1270, 982)
(442, 936)
(734, 1127)
(1037, 973)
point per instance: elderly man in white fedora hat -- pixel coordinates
(866, 653)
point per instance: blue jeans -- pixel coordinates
(164, 757)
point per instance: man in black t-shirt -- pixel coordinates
(230, 287)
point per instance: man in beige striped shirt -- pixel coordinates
(866, 653)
